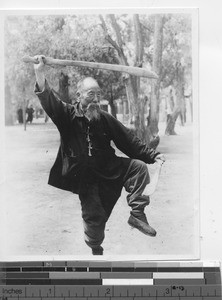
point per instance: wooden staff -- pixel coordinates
(140, 72)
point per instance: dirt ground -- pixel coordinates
(38, 219)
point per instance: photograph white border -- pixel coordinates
(194, 13)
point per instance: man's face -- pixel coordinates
(90, 96)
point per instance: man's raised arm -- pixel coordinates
(55, 108)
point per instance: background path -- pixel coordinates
(38, 219)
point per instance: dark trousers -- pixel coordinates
(94, 199)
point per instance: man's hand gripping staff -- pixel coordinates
(40, 71)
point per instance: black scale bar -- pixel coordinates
(116, 269)
(33, 281)
(97, 269)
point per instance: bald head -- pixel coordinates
(86, 83)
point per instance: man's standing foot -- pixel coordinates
(97, 251)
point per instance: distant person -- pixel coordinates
(86, 163)
(169, 105)
(46, 118)
(30, 112)
(20, 115)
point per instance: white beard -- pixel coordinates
(93, 111)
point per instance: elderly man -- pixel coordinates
(86, 163)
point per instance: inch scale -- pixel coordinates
(100, 280)
(110, 292)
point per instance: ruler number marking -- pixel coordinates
(167, 291)
(107, 291)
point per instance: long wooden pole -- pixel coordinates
(140, 72)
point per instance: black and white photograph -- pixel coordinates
(101, 134)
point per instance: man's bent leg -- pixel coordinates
(135, 181)
(94, 218)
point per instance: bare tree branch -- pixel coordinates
(112, 42)
(147, 28)
(107, 35)
(139, 40)
(116, 29)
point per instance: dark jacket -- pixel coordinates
(72, 160)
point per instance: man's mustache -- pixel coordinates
(93, 106)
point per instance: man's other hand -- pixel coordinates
(160, 159)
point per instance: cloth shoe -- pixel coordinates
(97, 251)
(139, 221)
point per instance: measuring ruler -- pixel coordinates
(110, 280)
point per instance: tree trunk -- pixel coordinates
(137, 108)
(182, 114)
(125, 111)
(138, 103)
(132, 82)
(24, 107)
(129, 101)
(8, 106)
(112, 105)
(113, 108)
(153, 118)
(191, 107)
(64, 87)
(178, 109)
(155, 86)
(170, 128)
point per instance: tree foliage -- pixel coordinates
(117, 39)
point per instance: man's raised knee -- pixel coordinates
(141, 167)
